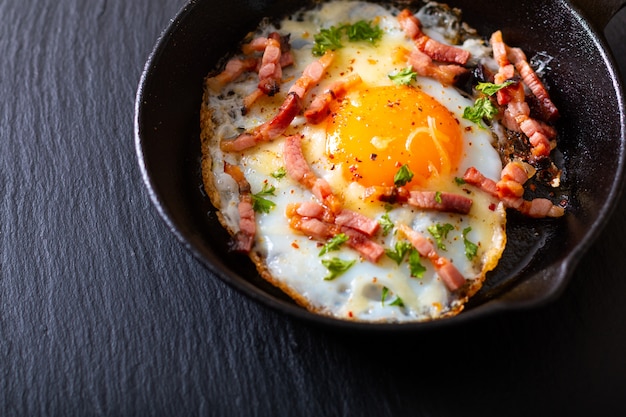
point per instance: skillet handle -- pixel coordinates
(599, 12)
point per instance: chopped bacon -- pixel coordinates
(440, 201)
(298, 169)
(257, 44)
(312, 74)
(310, 209)
(319, 108)
(476, 178)
(243, 240)
(321, 229)
(445, 74)
(369, 249)
(448, 273)
(270, 71)
(510, 192)
(268, 130)
(388, 194)
(438, 51)
(234, 68)
(530, 78)
(357, 221)
(517, 112)
(423, 246)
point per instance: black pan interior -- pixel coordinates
(540, 254)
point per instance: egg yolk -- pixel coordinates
(379, 129)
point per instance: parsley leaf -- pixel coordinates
(336, 267)
(491, 88)
(331, 39)
(483, 108)
(403, 176)
(363, 31)
(327, 39)
(459, 181)
(259, 203)
(279, 173)
(415, 264)
(470, 247)
(386, 223)
(334, 243)
(402, 248)
(438, 197)
(396, 302)
(403, 77)
(440, 232)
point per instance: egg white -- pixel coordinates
(291, 258)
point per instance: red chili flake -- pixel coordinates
(350, 314)
(492, 207)
(295, 245)
(373, 156)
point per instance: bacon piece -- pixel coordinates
(449, 274)
(440, 201)
(319, 108)
(257, 44)
(270, 71)
(310, 209)
(474, 177)
(268, 130)
(243, 240)
(298, 169)
(369, 249)
(445, 74)
(357, 221)
(507, 190)
(423, 246)
(530, 78)
(234, 68)
(320, 229)
(438, 51)
(312, 74)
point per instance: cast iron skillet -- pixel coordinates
(540, 255)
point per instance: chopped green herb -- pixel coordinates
(259, 203)
(403, 176)
(483, 108)
(470, 247)
(363, 31)
(336, 267)
(386, 223)
(438, 197)
(401, 249)
(440, 232)
(491, 88)
(331, 39)
(403, 77)
(415, 264)
(279, 173)
(459, 180)
(396, 302)
(384, 294)
(327, 40)
(334, 243)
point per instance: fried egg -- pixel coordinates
(375, 130)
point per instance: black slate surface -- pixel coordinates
(103, 312)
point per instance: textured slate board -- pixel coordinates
(102, 312)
